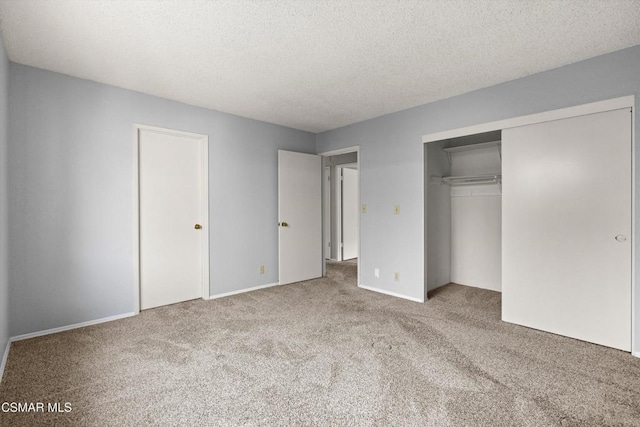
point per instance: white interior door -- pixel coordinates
(172, 233)
(326, 215)
(566, 227)
(350, 212)
(300, 216)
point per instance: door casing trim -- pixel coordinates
(352, 149)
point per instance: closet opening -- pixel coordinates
(463, 186)
(554, 238)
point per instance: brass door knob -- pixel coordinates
(284, 224)
(198, 227)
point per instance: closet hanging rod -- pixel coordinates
(472, 180)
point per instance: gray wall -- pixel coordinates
(391, 156)
(71, 195)
(4, 252)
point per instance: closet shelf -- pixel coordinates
(472, 146)
(497, 144)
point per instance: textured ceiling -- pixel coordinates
(312, 65)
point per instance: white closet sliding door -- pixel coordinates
(566, 227)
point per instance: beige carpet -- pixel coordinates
(322, 352)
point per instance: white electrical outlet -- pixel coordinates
(396, 276)
(376, 272)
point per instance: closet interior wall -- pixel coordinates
(464, 238)
(438, 209)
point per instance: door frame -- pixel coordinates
(204, 207)
(558, 114)
(352, 149)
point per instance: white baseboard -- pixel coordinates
(393, 294)
(4, 359)
(242, 291)
(635, 353)
(69, 327)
